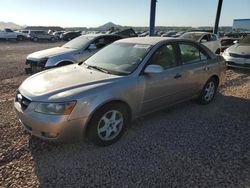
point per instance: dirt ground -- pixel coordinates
(188, 145)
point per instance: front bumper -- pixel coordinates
(35, 65)
(49, 127)
(237, 62)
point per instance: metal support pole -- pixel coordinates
(217, 19)
(152, 18)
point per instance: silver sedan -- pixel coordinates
(125, 80)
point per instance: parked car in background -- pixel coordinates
(169, 34)
(144, 34)
(238, 55)
(57, 34)
(37, 35)
(26, 32)
(178, 34)
(208, 39)
(235, 35)
(75, 51)
(10, 34)
(226, 42)
(67, 36)
(126, 33)
(125, 80)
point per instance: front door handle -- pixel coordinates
(177, 76)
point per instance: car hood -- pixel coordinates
(64, 83)
(239, 49)
(49, 53)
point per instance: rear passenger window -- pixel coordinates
(164, 56)
(191, 54)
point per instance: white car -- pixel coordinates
(10, 34)
(238, 55)
(209, 40)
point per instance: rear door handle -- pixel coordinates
(177, 76)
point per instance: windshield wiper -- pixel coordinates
(103, 69)
(97, 68)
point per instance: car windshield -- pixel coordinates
(118, 58)
(245, 40)
(192, 36)
(78, 42)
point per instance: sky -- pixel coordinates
(93, 13)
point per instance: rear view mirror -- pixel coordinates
(153, 69)
(92, 47)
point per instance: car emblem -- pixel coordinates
(19, 97)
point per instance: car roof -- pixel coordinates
(149, 40)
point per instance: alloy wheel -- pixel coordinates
(209, 91)
(110, 125)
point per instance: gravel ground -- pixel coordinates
(188, 145)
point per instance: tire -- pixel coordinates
(108, 124)
(68, 39)
(208, 92)
(35, 39)
(52, 39)
(20, 38)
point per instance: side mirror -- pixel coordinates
(203, 40)
(92, 47)
(153, 69)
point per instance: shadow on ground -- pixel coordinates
(184, 146)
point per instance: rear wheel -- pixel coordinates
(208, 91)
(108, 124)
(52, 39)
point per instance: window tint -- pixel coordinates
(191, 54)
(8, 30)
(205, 37)
(104, 41)
(164, 56)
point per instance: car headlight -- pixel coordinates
(56, 108)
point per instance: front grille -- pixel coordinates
(28, 62)
(240, 55)
(41, 63)
(23, 101)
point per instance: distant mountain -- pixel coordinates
(9, 25)
(108, 26)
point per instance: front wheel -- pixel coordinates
(108, 124)
(208, 92)
(20, 38)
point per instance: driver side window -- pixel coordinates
(164, 56)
